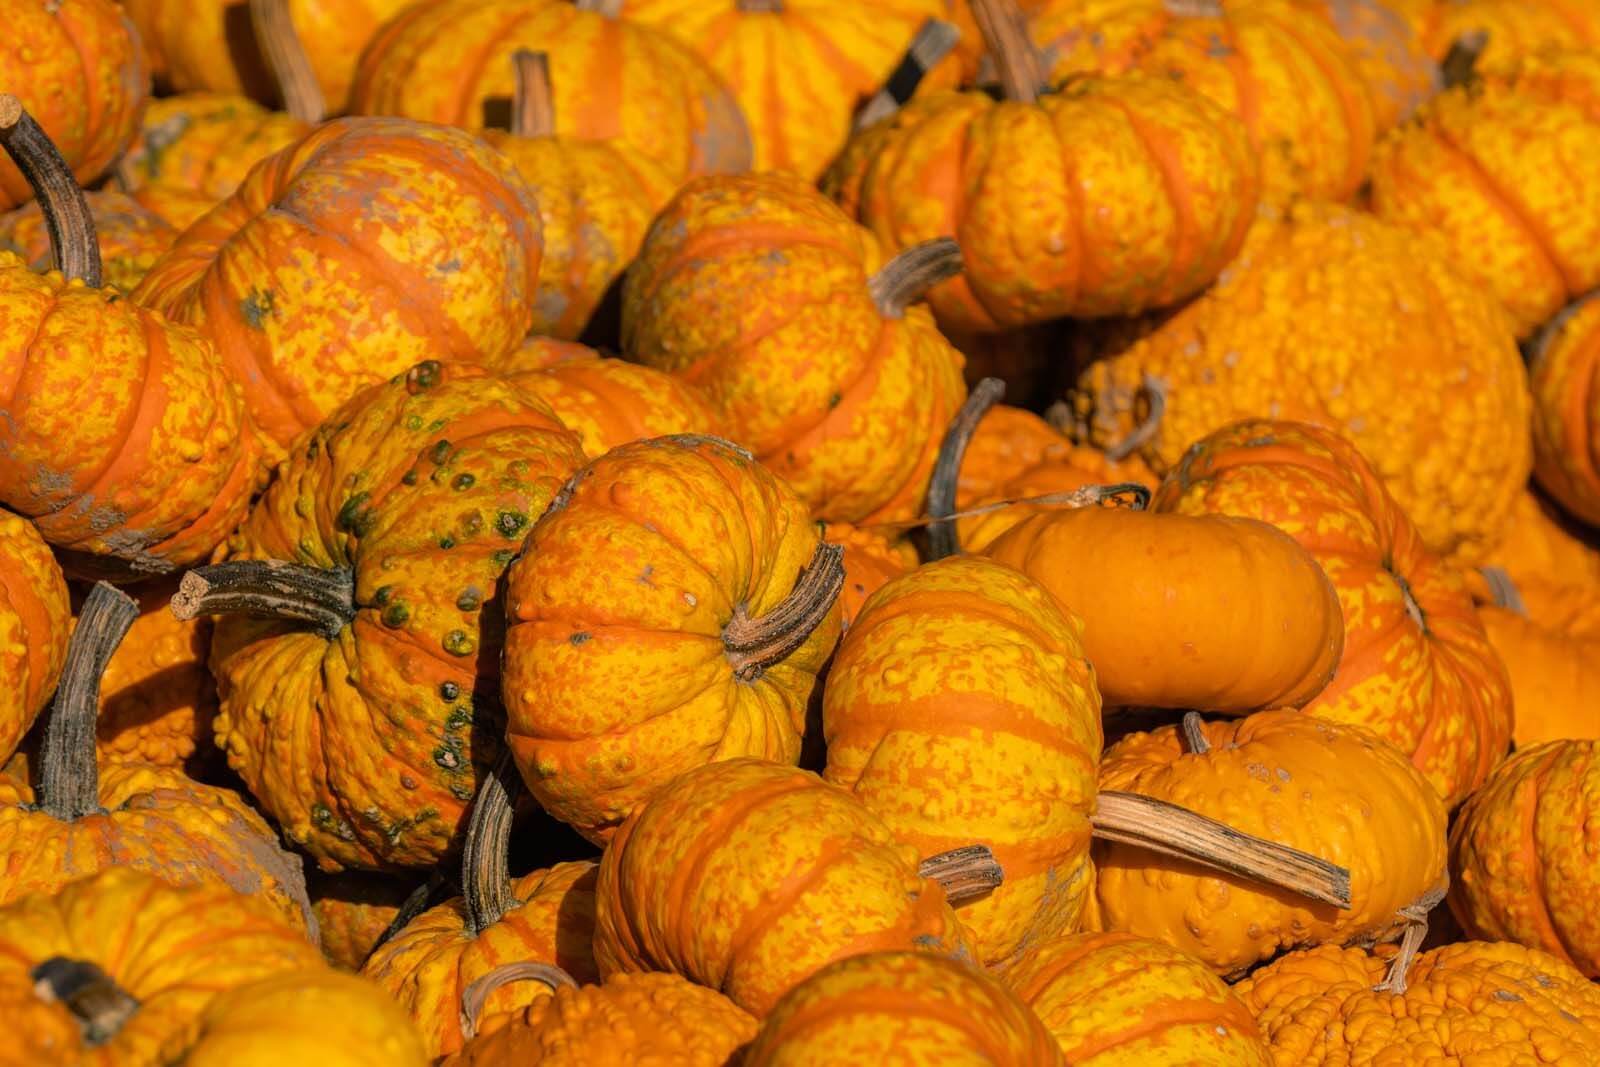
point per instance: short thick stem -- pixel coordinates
(1194, 733)
(761, 7)
(66, 213)
(1016, 60)
(906, 278)
(754, 644)
(485, 878)
(286, 57)
(1193, 9)
(533, 107)
(943, 540)
(99, 1005)
(965, 873)
(1460, 64)
(609, 8)
(269, 589)
(1415, 916)
(476, 995)
(932, 43)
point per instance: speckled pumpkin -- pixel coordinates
(1387, 49)
(35, 621)
(762, 293)
(870, 559)
(1327, 316)
(960, 710)
(131, 238)
(353, 909)
(204, 143)
(1116, 1000)
(367, 246)
(1566, 409)
(1555, 675)
(1417, 668)
(1515, 28)
(625, 654)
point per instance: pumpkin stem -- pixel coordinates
(901, 282)
(286, 57)
(99, 1005)
(477, 994)
(1155, 396)
(1194, 734)
(1016, 60)
(485, 881)
(1415, 915)
(965, 873)
(69, 779)
(1193, 9)
(753, 645)
(1132, 819)
(1460, 65)
(941, 503)
(269, 589)
(533, 107)
(760, 7)
(1503, 592)
(73, 247)
(931, 44)
(611, 9)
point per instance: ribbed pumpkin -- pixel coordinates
(870, 559)
(672, 608)
(353, 910)
(131, 237)
(1328, 316)
(1566, 409)
(1554, 672)
(1387, 49)
(204, 143)
(449, 61)
(1514, 29)
(763, 294)
(1417, 668)
(34, 623)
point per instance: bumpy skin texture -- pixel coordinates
(616, 677)
(367, 748)
(1555, 675)
(427, 965)
(1331, 790)
(353, 909)
(367, 246)
(126, 438)
(1327, 317)
(131, 237)
(76, 67)
(1386, 48)
(960, 710)
(1470, 1003)
(1116, 1000)
(634, 1020)
(35, 622)
(748, 877)
(1525, 854)
(902, 1009)
(173, 948)
(1484, 170)
(449, 61)
(755, 288)
(870, 559)
(1417, 667)
(1566, 410)
(204, 142)
(1516, 28)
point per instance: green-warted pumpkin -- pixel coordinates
(1513, 29)
(1417, 668)
(203, 143)
(1523, 860)
(783, 311)
(354, 909)
(1566, 409)
(672, 608)
(35, 620)
(960, 709)
(131, 237)
(1327, 316)
(1116, 1000)
(1329, 789)
(360, 711)
(449, 61)
(870, 559)
(367, 246)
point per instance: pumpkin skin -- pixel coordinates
(615, 673)
(369, 245)
(423, 487)
(773, 874)
(131, 238)
(1116, 1000)
(901, 1009)
(1325, 788)
(353, 910)
(1555, 676)
(1417, 667)
(204, 143)
(1540, 551)
(1386, 48)
(1566, 410)
(1515, 29)
(870, 559)
(954, 679)
(1326, 316)
(35, 621)
(449, 61)
(755, 288)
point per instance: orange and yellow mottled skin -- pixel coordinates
(1566, 410)
(353, 909)
(35, 622)
(960, 710)
(367, 246)
(755, 288)
(1333, 790)
(204, 143)
(748, 877)
(615, 674)
(1515, 28)
(77, 68)
(1525, 853)
(363, 747)
(902, 1009)
(173, 948)
(613, 79)
(870, 559)
(1555, 675)
(1496, 172)
(1417, 668)
(1332, 317)
(1473, 1003)
(428, 964)
(131, 237)
(1385, 47)
(125, 436)
(633, 1020)
(1116, 1000)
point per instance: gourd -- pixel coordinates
(1554, 671)
(131, 237)
(1566, 432)
(354, 910)
(34, 624)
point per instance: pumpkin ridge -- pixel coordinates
(1159, 1015)
(954, 719)
(1175, 184)
(1528, 853)
(777, 899)
(896, 1003)
(742, 235)
(1357, 168)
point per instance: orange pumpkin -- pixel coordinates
(1387, 49)
(203, 143)
(34, 624)
(1544, 550)
(1554, 672)
(131, 237)
(354, 909)
(1513, 29)
(1566, 409)
(870, 559)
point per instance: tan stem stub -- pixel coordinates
(533, 107)
(1503, 591)
(760, 7)
(1154, 391)
(99, 1005)
(1193, 9)
(611, 9)
(1415, 917)
(965, 873)
(73, 245)
(269, 589)
(943, 540)
(754, 644)
(1460, 64)
(1409, 599)
(286, 57)
(485, 876)
(933, 41)
(1017, 62)
(906, 278)
(477, 994)
(1193, 729)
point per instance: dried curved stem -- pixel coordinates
(477, 994)
(1415, 915)
(943, 540)
(903, 280)
(67, 220)
(1503, 592)
(533, 106)
(485, 879)
(270, 589)
(1460, 65)
(965, 873)
(1016, 60)
(753, 645)
(99, 1005)
(934, 41)
(1194, 734)
(286, 57)
(1155, 394)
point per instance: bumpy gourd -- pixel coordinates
(34, 624)
(131, 237)
(353, 910)
(204, 143)
(1566, 409)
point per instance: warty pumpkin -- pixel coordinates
(1386, 48)
(1512, 29)
(672, 608)
(354, 909)
(1566, 409)
(870, 558)
(34, 623)
(130, 237)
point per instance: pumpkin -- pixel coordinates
(1417, 668)
(1512, 29)
(1554, 672)
(902, 1009)
(358, 710)
(1386, 48)
(449, 61)
(1115, 999)
(869, 559)
(764, 295)
(953, 679)
(673, 607)
(75, 65)
(203, 143)
(354, 910)
(1566, 432)
(130, 237)
(1327, 316)
(1544, 550)
(1522, 858)
(34, 624)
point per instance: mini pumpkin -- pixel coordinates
(869, 559)
(34, 624)
(1386, 48)
(204, 144)
(1566, 429)
(1554, 672)
(354, 910)
(1511, 29)
(131, 238)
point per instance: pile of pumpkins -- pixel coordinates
(397, 676)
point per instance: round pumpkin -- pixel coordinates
(1513, 29)
(870, 559)
(34, 624)
(1554, 672)
(203, 143)
(1566, 409)
(1387, 49)
(354, 909)
(131, 237)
